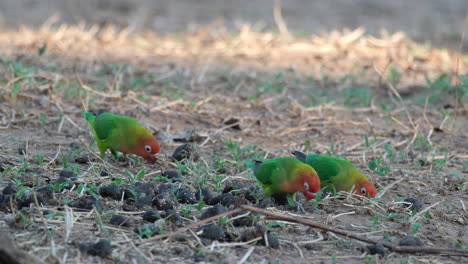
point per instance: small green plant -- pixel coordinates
(394, 76)
(40, 159)
(43, 118)
(135, 177)
(378, 166)
(272, 225)
(415, 228)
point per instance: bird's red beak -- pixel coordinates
(309, 195)
(151, 159)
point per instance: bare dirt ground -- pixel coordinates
(397, 109)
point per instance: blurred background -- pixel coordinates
(434, 21)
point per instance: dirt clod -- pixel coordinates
(214, 210)
(376, 249)
(271, 241)
(414, 204)
(204, 195)
(111, 191)
(173, 216)
(411, 241)
(120, 220)
(67, 174)
(82, 160)
(151, 216)
(11, 188)
(172, 175)
(182, 152)
(22, 151)
(212, 232)
(164, 201)
(102, 248)
(87, 203)
(185, 196)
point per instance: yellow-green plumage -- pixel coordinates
(337, 174)
(120, 133)
(287, 175)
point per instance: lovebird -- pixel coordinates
(120, 133)
(287, 175)
(338, 174)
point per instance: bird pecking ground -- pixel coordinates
(217, 100)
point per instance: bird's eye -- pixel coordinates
(148, 148)
(363, 191)
(306, 186)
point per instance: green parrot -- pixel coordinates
(287, 175)
(120, 133)
(338, 174)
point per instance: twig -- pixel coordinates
(246, 255)
(394, 248)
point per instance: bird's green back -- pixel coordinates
(272, 173)
(114, 131)
(334, 171)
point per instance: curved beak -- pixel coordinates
(309, 195)
(151, 159)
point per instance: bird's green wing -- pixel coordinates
(264, 172)
(326, 167)
(104, 124)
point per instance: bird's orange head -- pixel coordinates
(147, 148)
(365, 188)
(311, 184)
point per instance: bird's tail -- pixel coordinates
(299, 155)
(254, 164)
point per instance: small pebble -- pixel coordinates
(120, 220)
(212, 232)
(410, 241)
(102, 248)
(151, 216)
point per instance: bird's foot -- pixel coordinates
(300, 208)
(127, 161)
